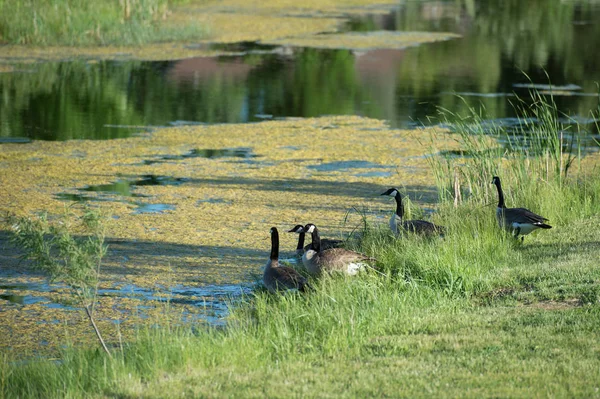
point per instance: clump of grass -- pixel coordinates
(534, 161)
(82, 23)
(74, 260)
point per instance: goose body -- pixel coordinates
(301, 248)
(519, 221)
(281, 278)
(398, 224)
(316, 260)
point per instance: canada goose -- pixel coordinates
(316, 260)
(281, 278)
(301, 248)
(414, 226)
(519, 221)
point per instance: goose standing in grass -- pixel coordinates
(301, 248)
(281, 278)
(316, 260)
(414, 226)
(519, 221)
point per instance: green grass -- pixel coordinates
(476, 314)
(85, 23)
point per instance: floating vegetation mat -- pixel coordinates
(365, 40)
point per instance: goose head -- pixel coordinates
(297, 229)
(496, 180)
(392, 192)
(309, 228)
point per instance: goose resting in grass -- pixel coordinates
(281, 278)
(397, 222)
(301, 248)
(316, 260)
(518, 221)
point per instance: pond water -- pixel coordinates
(506, 46)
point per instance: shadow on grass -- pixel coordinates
(540, 252)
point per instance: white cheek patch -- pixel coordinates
(311, 229)
(393, 193)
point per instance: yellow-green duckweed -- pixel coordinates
(365, 41)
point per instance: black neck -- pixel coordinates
(399, 206)
(274, 244)
(301, 241)
(316, 240)
(500, 194)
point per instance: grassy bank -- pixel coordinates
(85, 23)
(474, 314)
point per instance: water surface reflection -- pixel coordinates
(552, 41)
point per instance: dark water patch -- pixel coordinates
(340, 166)
(374, 174)
(214, 201)
(242, 48)
(19, 299)
(77, 197)
(372, 129)
(153, 208)
(473, 94)
(253, 163)
(16, 293)
(152, 161)
(221, 153)
(15, 140)
(137, 128)
(568, 93)
(13, 286)
(206, 153)
(120, 187)
(185, 123)
(40, 287)
(470, 153)
(263, 116)
(157, 180)
(547, 87)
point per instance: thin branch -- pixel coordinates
(89, 314)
